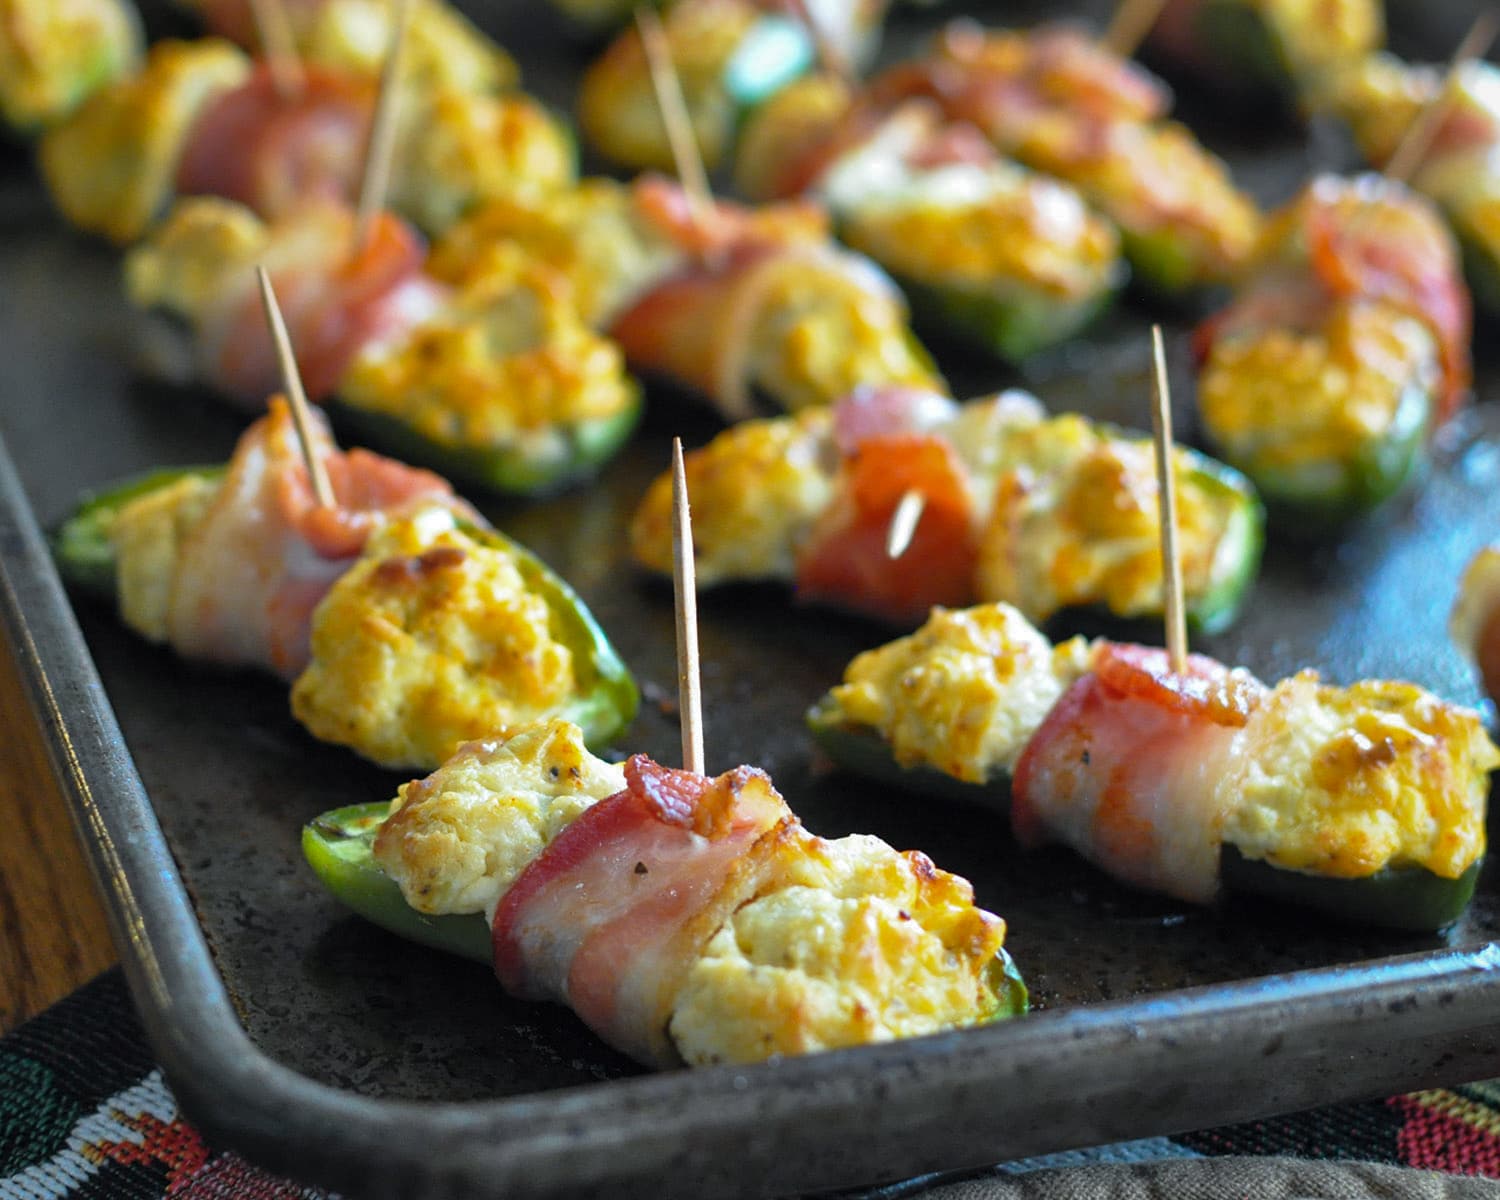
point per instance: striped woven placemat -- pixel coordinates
(85, 1114)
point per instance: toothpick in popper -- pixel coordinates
(279, 47)
(291, 380)
(1417, 141)
(685, 594)
(674, 116)
(1131, 23)
(382, 143)
(1166, 489)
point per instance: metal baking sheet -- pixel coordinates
(322, 1047)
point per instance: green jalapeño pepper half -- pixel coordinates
(553, 459)
(1411, 898)
(892, 721)
(509, 391)
(1395, 897)
(729, 58)
(1236, 36)
(1006, 259)
(1323, 446)
(861, 750)
(1011, 324)
(606, 697)
(81, 545)
(339, 846)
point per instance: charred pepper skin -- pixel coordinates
(608, 697)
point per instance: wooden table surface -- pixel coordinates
(53, 935)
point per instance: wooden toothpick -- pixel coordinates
(291, 380)
(904, 521)
(1131, 23)
(1417, 141)
(279, 47)
(674, 116)
(382, 144)
(1166, 489)
(830, 57)
(685, 593)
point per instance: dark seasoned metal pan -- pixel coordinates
(322, 1047)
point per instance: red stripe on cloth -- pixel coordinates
(1444, 1131)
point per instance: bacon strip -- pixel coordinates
(724, 227)
(611, 915)
(251, 572)
(699, 325)
(1400, 253)
(1011, 84)
(1363, 238)
(1126, 767)
(337, 298)
(273, 152)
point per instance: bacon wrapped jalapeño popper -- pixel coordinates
(729, 55)
(407, 624)
(1057, 101)
(54, 55)
(1044, 513)
(1346, 349)
(1250, 48)
(496, 382)
(1381, 97)
(1476, 618)
(685, 919)
(1012, 260)
(737, 304)
(202, 119)
(1364, 802)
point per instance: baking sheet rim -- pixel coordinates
(782, 1118)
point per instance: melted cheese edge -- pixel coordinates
(457, 840)
(429, 640)
(963, 694)
(1347, 781)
